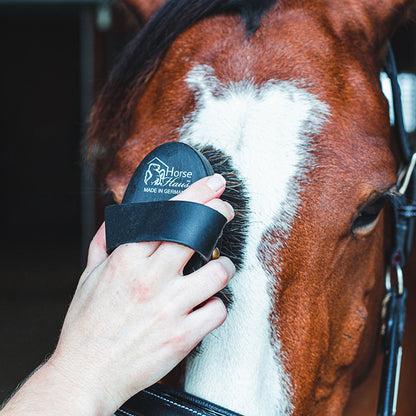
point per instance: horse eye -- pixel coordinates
(368, 216)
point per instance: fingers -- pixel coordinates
(212, 313)
(174, 256)
(222, 207)
(171, 256)
(203, 190)
(206, 282)
(143, 250)
(205, 319)
(97, 251)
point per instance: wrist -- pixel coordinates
(51, 391)
(80, 387)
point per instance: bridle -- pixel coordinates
(165, 401)
(404, 213)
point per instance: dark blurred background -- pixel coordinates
(55, 56)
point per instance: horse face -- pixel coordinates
(297, 110)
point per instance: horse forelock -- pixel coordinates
(111, 118)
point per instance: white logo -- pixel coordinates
(156, 172)
(159, 174)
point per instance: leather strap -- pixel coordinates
(404, 222)
(394, 311)
(193, 225)
(404, 210)
(391, 71)
(160, 400)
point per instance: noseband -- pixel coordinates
(165, 401)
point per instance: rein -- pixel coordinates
(404, 213)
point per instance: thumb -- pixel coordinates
(97, 251)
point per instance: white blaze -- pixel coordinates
(266, 130)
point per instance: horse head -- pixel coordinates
(284, 98)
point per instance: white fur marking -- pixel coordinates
(266, 131)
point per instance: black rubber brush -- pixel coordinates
(147, 213)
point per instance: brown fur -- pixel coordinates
(331, 286)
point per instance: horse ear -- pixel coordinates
(143, 9)
(375, 19)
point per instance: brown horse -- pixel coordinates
(285, 96)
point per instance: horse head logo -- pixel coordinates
(156, 172)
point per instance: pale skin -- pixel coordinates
(131, 320)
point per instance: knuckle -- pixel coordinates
(182, 346)
(229, 265)
(93, 247)
(130, 250)
(123, 256)
(165, 251)
(117, 257)
(219, 274)
(160, 317)
(222, 207)
(97, 244)
(153, 272)
(193, 339)
(219, 312)
(179, 343)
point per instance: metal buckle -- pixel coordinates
(392, 319)
(406, 175)
(399, 278)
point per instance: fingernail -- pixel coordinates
(216, 182)
(230, 210)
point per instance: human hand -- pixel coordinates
(132, 318)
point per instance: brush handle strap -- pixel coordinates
(193, 225)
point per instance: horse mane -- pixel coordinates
(111, 117)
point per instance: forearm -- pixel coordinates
(133, 318)
(49, 392)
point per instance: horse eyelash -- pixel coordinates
(377, 202)
(386, 197)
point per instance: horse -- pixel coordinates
(284, 98)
